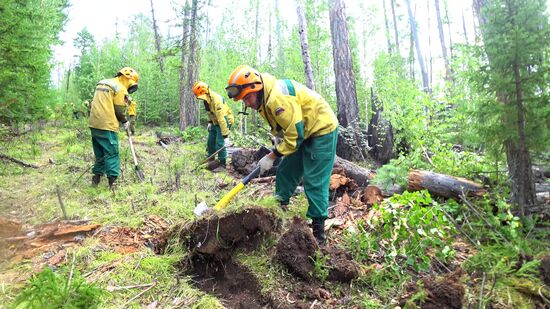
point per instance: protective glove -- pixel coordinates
(266, 163)
(126, 125)
(209, 127)
(227, 142)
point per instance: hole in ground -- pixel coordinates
(212, 242)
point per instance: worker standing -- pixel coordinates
(306, 130)
(108, 107)
(220, 119)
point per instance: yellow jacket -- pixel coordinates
(132, 107)
(294, 112)
(217, 111)
(108, 93)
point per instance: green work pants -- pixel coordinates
(105, 145)
(313, 161)
(215, 142)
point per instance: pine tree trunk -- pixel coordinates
(350, 141)
(448, 73)
(183, 72)
(302, 32)
(192, 68)
(396, 33)
(160, 58)
(425, 79)
(387, 27)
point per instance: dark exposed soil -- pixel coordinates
(296, 248)
(545, 269)
(341, 266)
(446, 292)
(296, 251)
(212, 242)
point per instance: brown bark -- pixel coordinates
(350, 142)
(443, 185)
(360, 174)
(188, 71)
(183, 71)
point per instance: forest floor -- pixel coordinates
(144, 247)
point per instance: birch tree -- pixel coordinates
(419, 56)
(302, 32)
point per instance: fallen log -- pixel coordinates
(444, 185)
(361, 175)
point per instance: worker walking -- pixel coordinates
(132, 113)
(108, 107)
(220, 119)
(306, 130)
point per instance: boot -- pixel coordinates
(112, 180)
(319, 231)
(284, 206)
(95, 180)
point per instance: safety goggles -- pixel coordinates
(234, 90)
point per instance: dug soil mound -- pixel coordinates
(297, 248)
(446, 292)
(212, 242)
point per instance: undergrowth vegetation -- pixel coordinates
(404, 238)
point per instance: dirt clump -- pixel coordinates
(212, 242)
(296, 248)
(445, 292)
(341, 266)
(153, 234)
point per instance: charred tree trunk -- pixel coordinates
(350, 141)
(448, 73)
(425, 79)
(302, 32)
(160, 58)
(380, 133)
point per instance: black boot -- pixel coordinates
(284, 206)
(112, 180)
(95, 180)
(319, 231)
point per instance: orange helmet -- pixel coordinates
(242, 81)
(132, 76)
(200, 89)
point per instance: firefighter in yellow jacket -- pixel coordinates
(306, 130)
(132, 113)
(220, 119)
(107, 109)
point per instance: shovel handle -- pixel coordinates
(132, 147)
(229, 196)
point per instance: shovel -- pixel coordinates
(139, 172)
(210, 157)
(201, 208)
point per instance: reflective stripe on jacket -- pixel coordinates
(108, 93)
(294, 112)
